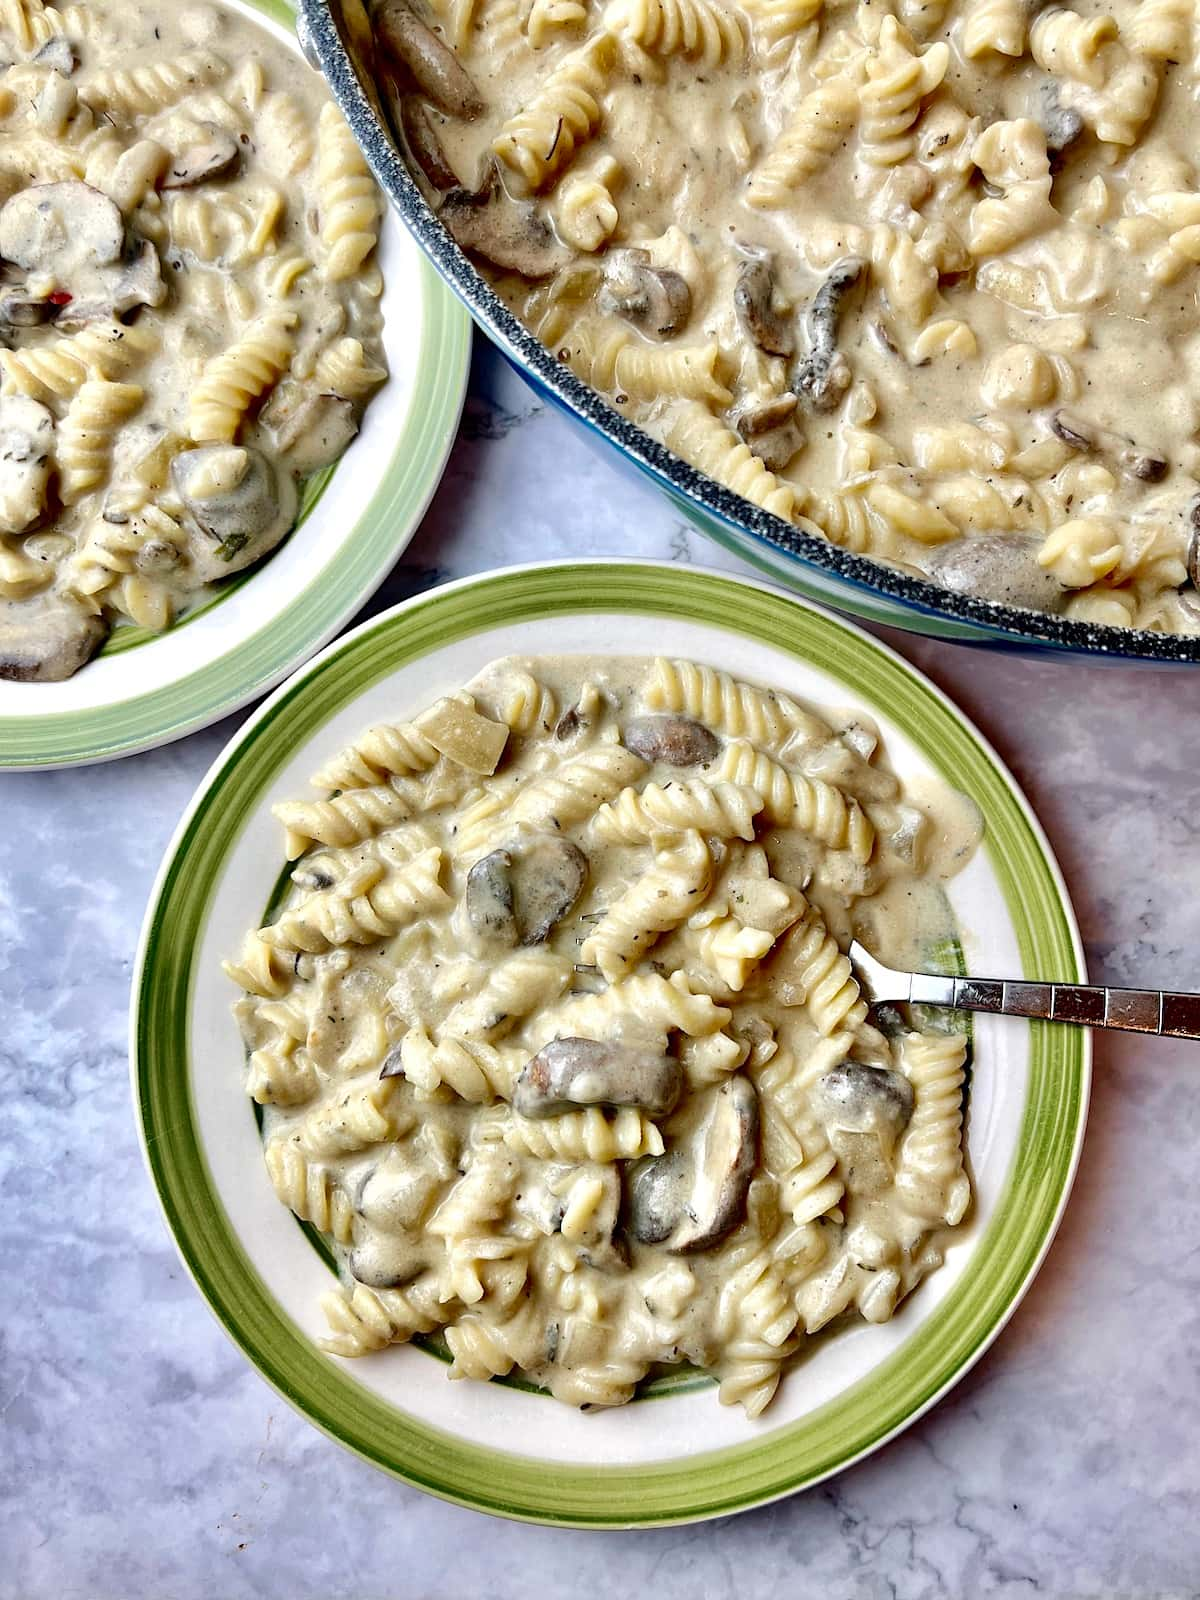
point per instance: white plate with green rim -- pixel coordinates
(145, 689)
(675, 1455)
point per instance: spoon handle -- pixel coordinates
(1176, 1016)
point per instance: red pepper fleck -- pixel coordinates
(60, 297)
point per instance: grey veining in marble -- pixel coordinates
(141, 1457)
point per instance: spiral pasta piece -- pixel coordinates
(790, 800)
(540, 139)
(720, 810)
(349, 201)
(817, 128)
(700, 30)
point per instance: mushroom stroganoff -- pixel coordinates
(189, 318)
(920, 277)
(556, 1041)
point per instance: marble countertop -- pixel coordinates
(141, 1457)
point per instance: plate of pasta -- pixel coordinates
(505, 947)
(228, 381)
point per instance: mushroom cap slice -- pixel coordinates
(507, 233)
(213, 156)
(309, 430)
(46, 638)
(996, 566)
(52, 227)
(754, 298)
(655, 299)
(724, 1153)
(245, 508)
(569, 1073)
(863, 1099)
(489, 901)
(658, 1193)
(424, 146)
(772, 431)
(677, 741)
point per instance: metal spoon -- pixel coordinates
(1177, 1016)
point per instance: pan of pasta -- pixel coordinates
(894, 299)
(504, 1079)
(205, 310)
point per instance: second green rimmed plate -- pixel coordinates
(143, 689)
(678, 1457)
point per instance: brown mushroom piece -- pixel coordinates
(1002, 567)
(387, 1261)
(772, 431)
(489, 901)
(655, 299)
(1062, 125)
(865, 1110)
(26, 451)
(676, 741)
(46, 638)
(308, 430)
(822, 376)
(137, 282)
(58, 54)
(243, 518)
(507, 233)
(20, 310)
(58, 227)
(569, 1073)
(1146, 465)
(397, 1192)
(432, 65)
(658, 1192)
(754, 297)
(724, 1154)
(424, 146)
(214, 156)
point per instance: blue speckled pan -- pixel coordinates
(336, 38)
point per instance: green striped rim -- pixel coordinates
(721, 1481)
(336, 589)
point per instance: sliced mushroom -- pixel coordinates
(57, 227)
(823, 375)
(1193, 550)
(1146, 465)
(1003, 567)
(26, 448)
(862, 1099)
(214, 156)
(137, 282)
(505, 232)
(725, 1151)
(772, 431)
(245, 509)
(1063, 125)
(572, 721)
(20, 310)
(754, 298)
(57, 54)
(655, 299)
(677, 741)
(46, 638)
(308, 430)
(569, 1073)
(141, 283)
(658, 1192)
(424, 146)
(386, 1261)
(432, 65)
(865, 1110)
(397, 1192)
(519, 894)
(489, 901)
